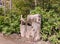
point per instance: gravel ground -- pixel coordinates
(16, 39)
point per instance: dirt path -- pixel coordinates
(16, 39)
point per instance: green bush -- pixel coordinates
(1, 11)
(10, 23)
(1, 22)
(53, 39)
(50, 22)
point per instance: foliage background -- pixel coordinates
(48, 9)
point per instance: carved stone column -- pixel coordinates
(22, 27)
(33, 27)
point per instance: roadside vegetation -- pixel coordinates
(49, 11)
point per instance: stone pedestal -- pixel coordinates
(32, 27)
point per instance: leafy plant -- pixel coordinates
(53, 39)
(50, 22)
(10, 23)
(1, 11)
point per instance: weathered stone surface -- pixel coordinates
(22, 30)
(33, 27)
(22, 27)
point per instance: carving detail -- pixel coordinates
(33, 27)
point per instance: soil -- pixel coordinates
(17, 39)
